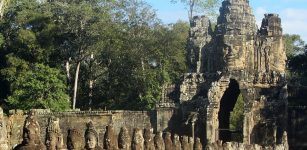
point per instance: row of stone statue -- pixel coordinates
(141, 139)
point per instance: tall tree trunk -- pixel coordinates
(191, 5)
(67, 67)
(91, 83)
(76, 86)
(3, 5)
(2, 8)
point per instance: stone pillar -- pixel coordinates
(3, 132)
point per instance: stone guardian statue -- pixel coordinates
(91, 138)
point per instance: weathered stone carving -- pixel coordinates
(91, 138)
(54, 137)
(168, 141)
(197, 144)
(74, 139)
(190, 86)
(3, 132)
(110, 139)
(148, 139)
(137, 140)
(200, 36)
(176, 142)
(159, 142)
(236, 60)
(31, 135)
(124, 140)
(185, 143)
(191, 143)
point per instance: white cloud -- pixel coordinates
(294, 21)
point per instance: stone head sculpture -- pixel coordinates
(138, 140)
(191, 142)
(91, 137)
(74, 139)
(158, 141)
(176, 142)
(185, 143)
(197, 144)
(110, 139)
(124, 139)
(31, 135)
(168, 141)
(51, 141)
(54, 137)
(31, 130)
(148, 139)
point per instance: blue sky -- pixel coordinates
(292, 12)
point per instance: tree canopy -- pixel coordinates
(294, 45)
(113, 54)
(207, 7)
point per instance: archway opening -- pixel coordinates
(231, 114)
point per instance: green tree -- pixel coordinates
(208, 7)
(79, 26)
(26, 28)
(236, 118)
(38, 86)
(1, 40)
(116, 54)
(294, 44)
(296, 53)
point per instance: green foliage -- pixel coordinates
(237, 118)
(297, 59)
(297, 69)
(294, 45)
(207, 7)
(39, 87)
(125, 53)
(1, 39)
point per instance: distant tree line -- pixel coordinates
(62, 54)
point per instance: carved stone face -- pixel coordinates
(51, 141)
(91, 141)
(185, 139)
(74, 140)
(176, 138)
(29, 135)
(76, 144)
(234, 57)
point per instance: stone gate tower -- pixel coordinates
(237, 59)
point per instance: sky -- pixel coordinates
(293, 13)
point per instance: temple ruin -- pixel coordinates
(234, 59)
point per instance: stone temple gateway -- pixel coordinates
(235, 60)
